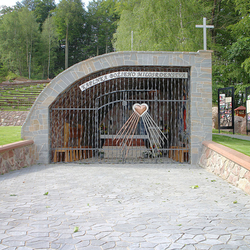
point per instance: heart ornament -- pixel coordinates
(140, 109)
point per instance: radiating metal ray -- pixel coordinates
(152, 136)
(133, 128)
(154, 133)
(157, 127)
(133, 134)
(124, 126)
(150, 142)
(128, 129)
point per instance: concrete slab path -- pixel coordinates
(121, 207)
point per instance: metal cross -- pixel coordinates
(204, 26)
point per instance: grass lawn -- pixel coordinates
(10, 134)
(236, 144)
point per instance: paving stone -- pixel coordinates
(176, 246)
(211, 242)
(223, 246)
(244, 247)
(13, 243)
(148, 244)
(89, 248)
(247, 239)
(189, 247)
(38, 244)
(162, 246)
(36, 234)
(25, 248)
(186, 241)
(55, 246)
(237, 242)
(199, 238)
(212, 236)
(102, 235)
(97, 242)
(202, 246)
(67, 241)
(224, 238)
(3, 236)
(108, 245)
(87, 196)
(82, 244)
(67, 247)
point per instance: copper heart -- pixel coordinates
(140, 109)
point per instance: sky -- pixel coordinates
(13, 2)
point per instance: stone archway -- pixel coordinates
(37, 124)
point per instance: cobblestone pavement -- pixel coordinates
(121, 207)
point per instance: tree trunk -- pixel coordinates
(67, 48)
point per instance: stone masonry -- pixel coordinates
(16, 156)
(12, 118)
(236, 171)
(36, 126)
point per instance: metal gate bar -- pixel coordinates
(83, 124)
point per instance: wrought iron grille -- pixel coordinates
(84, 124)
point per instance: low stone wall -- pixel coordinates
(17, 155)
(13, 118)
(227, 163)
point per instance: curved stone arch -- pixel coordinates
(36, 126)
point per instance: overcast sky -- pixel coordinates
(13, 2)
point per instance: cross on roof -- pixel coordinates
(205, 26)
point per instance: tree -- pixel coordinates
(50, 43)
(100, 26)
(69, 19)
(10, 43)
(18, 40)
(159, 25)
(231, 43)
(42, 10)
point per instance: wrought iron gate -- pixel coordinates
(84, 124)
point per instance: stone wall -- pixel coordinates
(17, 155)
(227, 163)
(36, 126)
(13, 118)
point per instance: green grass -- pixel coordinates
(233, 143)
(10, 134)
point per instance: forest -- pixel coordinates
(39, 38)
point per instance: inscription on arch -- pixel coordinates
(132, 74)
